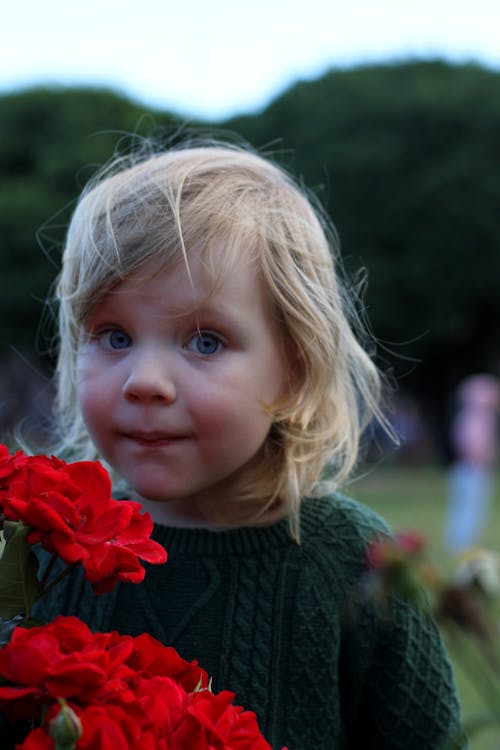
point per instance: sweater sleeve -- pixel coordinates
(395, 680)
(400, 683)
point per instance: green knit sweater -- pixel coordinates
(266, 618)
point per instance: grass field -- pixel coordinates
(414, 498)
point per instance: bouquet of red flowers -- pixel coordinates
(78, 690)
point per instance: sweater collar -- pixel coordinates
(240, 541)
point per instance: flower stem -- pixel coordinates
(48, 571)
(48, 587)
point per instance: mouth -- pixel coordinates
(153, 439)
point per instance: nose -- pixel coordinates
(150, 380)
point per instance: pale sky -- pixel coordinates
(215, 58)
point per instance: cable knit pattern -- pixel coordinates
(272, 621)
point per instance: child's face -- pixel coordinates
(172, 377)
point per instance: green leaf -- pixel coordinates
(19, 585)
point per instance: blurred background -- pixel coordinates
(389, 112)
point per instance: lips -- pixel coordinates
(153, 439)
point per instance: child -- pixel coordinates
(206, 356)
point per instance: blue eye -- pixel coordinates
(204, 343)
(115, 339)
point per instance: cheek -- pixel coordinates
(89, 404)
(92, 390)
(83, 382)
(233, 412)
(85, 371)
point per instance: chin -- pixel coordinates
(154, 495)
(150, 488)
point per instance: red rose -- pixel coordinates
(72, 514)
(9, 464)
(38, 739)
(144, 716)
(108, 728)
(212, 722)
(104, 728)
(126, 693)
(151, 657)
(156, 704)
(62, 659)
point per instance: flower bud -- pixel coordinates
(65, 728)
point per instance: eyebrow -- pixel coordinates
(210, 304)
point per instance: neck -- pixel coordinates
(190, 513)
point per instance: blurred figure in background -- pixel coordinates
(474, 441)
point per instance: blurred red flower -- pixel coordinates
(392, 550)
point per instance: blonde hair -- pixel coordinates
(158, 207)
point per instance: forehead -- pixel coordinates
(204, 280)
